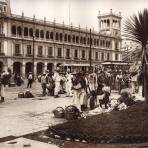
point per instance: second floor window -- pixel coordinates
(102, 56)
(108, 56)
(67, 53)
(76, 53)
(59, 54)
(50, 51)
(96, 56)
(40, 50)
(0, 47)
(17, 49)
(83, 54)
(116, 57)
(28, 49)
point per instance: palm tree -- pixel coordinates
(136, 29)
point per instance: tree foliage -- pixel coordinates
(136, 28)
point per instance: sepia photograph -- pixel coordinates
(73, 74)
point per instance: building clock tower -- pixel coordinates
(5, 7)
(110, 23)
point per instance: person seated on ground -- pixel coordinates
(105, 100)
(126, 98)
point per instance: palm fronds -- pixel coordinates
(136, 27)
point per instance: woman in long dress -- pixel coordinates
(2, 91)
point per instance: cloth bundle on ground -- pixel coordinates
(125, 100)
(26, 94)
(21, 95)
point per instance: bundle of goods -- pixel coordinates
(28, 94)
(21, 95)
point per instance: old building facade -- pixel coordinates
(28, 44)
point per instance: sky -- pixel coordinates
(77, 12)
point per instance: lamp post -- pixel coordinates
(90, 52)
(33, 58)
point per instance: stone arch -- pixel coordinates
(1, 66)
(61, 37)
(40, 68)
(50, 67)
(73, 38)
(31, 32)
(37, 33)
(28, 68)
(17, 67)
(13, 29)
(88, 40)
(47, 34)
(57, 36)
(25, 31)
(65, 37)
(81, 40)
(19, 30)
(95, 42)
(103, 43)
(77, 39)
(42, 34)
(108, 22)
(84, 40)
(51, 35)
(69, 38)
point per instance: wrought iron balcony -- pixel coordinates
(50, 56)
(17, 54)
(39, 55)
(67, 57)
(29, 55)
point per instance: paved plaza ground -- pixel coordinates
(22, 116)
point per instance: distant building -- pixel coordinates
(53, 44)
(131, 51)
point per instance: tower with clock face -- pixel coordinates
(110, 23)
(5, 7)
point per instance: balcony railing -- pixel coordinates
(29, 55)
(50, 56)
(67, 57)
(83, 58)
(60, 57)
(17, 54)
(39, 55)
(76, 58)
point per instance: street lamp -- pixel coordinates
(33, 58)
(90, 51)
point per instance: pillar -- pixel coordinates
(23, 70)
(35, 69)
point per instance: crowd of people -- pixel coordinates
(84, 87)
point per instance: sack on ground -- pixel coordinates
(28, 94)
(20, 95)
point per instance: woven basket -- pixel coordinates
(71, 112)
(20, 95)
(59, 112)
